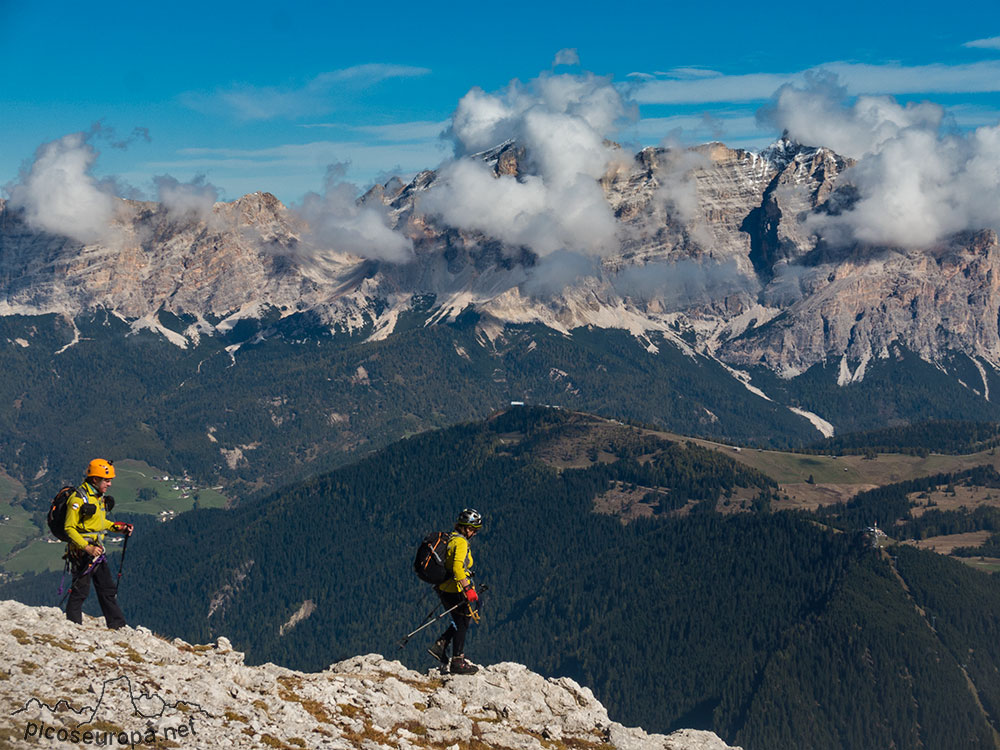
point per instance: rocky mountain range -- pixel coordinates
(716, 248)
(66, 685)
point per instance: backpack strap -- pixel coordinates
(85, 498)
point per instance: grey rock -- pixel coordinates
(133, 680)
(760, 289)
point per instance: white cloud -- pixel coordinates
(992, 42)
(919, 188)
(338, 223)
(681, 88)
(678, 189)
(915, 184)
(296, 154)
(247, 102)
(484, 120)
(974, 78)
(566, 57)
(720, 88)
(819, 114)
(555, 203)
(553, 273)
(246, 170)
(366, 75)
(58, 192)
(186, 200)
(682, 283)
(733, 128)
(523, 212)
(688, 74)
(968, 116)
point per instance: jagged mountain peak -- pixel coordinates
(703, 236)
(782, 151)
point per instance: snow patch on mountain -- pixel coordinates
(385, 324)
(845, 376)
(744, 378)
(982, 374)
(818, 422)
(150, 323)
(825, 428)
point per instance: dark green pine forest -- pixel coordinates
(297, 399)
(775, 630)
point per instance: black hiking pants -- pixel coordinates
(105, 585)
(460, 618)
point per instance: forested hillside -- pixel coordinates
(301, 400)
(939, 435)
(776, 630)
(282, 399)
(899, 390)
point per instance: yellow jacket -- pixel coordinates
(458, 561)
(84, 531)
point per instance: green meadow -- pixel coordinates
(133, 479)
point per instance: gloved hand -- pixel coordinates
(471, 595)
(109, 502)
(124, 528)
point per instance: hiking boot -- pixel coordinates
(459, 665)
(439, 651)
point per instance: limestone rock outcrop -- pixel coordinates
(712, 243)
(60, 681)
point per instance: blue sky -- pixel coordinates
(260, 96)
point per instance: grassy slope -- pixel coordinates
(19, 526)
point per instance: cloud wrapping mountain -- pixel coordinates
(58, 193)
(530, 212)
(186, 200)
(682, 283)
(820, 113)
(339, 223)
(562, 122)
(919, 188)
(916, 184)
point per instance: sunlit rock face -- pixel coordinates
(715, 245)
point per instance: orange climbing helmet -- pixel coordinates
(101, 469)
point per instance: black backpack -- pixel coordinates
(429, 563)
(57, 513)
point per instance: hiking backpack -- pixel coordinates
(57, 513)
(429, 562)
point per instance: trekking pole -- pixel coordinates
(63, 579)
(408, 636)
(121, 563)
(90, 568)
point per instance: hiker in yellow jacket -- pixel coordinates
(86, 524)
(458, 590)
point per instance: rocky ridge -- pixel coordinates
(714, 247)
(131, 687)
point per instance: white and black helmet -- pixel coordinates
(470, 517)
